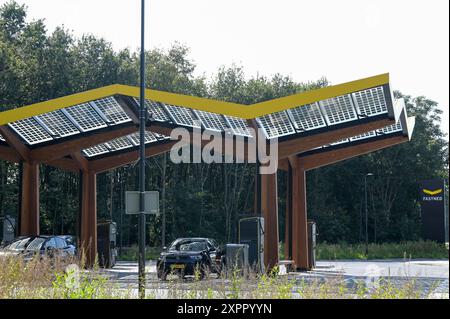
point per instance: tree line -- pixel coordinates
(204, 199)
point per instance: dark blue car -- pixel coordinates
(185, 256)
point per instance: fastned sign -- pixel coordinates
(434, 221)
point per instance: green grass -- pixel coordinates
(410, 249)
(131, 253)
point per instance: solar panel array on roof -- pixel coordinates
(70, 121)
(148, 138)
(111, 109)
(182, 115)
(238, 126)
(58, 123)
(391, 128)
(30, 130)
(338, 110)
(155, 110)
(345, 140)
(96, 150)
(363, 136)
(307, 117)
(85, 116)
(119, 143)
(211, 121)
(371, 101)
(276, 124)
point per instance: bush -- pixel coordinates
(410, 249)
(132, 253)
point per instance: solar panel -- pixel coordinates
(307, 117)
(391, 128)
(345, 140)
(149, 137)
(119, 143)
(276, 124)
(58, 123)
(338, 110)
(160, 136)
(96, 150)
(112, 110)
(363, 136)
(182, 115)
(238, 126)
(370, 102)
(212, 121)
(30, 130)
(155, 110)
(85, 117)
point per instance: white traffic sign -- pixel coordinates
(151, 202)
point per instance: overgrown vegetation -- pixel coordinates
(409, 249)
(42, 278)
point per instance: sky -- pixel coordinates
(342, 40)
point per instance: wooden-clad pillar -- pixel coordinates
(288, 217)
(88, 222)
(269, 210)
(299, 215)
(29, 203)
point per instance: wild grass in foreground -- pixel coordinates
(410, 249)
(44, 278)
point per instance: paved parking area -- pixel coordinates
(431, 275)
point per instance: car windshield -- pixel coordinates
(18, 244)
(189, 245)
(36, 244)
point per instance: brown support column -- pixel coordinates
(269, 208)
(29, 206)
(288, 218)
(88, 240)
(299, 215)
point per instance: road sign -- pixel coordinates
(151, 205)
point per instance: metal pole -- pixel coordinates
(367, 234)
(163, 191)
(142, 118)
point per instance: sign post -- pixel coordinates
(432, 202)
(151, 203)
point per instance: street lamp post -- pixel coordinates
(365, 197)
(142, 119)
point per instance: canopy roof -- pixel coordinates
(103, 122)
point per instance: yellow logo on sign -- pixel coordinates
(432, 193)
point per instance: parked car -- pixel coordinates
(51, 246)
(185, 255)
